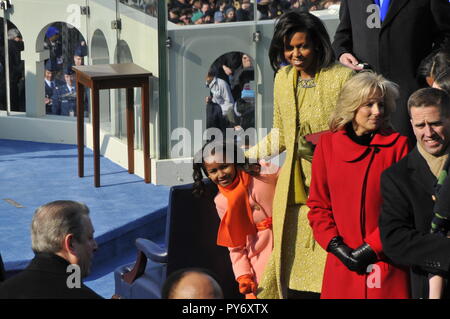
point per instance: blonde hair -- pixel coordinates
(356, 92)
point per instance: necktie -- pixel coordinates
(384, 7)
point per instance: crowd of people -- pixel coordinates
(188, 12)
(149, 7)
(60, 91)
(231, 103)
(360, 208)
(60, 88)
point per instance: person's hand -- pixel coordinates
(350, 61)
(227, 70)
(364, 256)
(207, 99)
(246, 284)
(47, 100)
(343, 253)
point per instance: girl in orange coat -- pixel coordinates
(345, 195)
(244, 205)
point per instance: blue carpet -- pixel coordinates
(123, 209)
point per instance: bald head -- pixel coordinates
(192, 284)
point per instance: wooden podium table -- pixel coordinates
(112, 76)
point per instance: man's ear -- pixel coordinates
(429, 80)
(68, 244)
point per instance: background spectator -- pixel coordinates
(245, 13)
(16, 70)
(174, 15)
(230, 15)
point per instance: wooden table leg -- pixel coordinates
(130, 129)
(96, 134)
(146, 129)
(80, 127)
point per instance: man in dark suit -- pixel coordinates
(392, 37)
(63, 243)
(50, 85)
(65, 96)
(408, 190)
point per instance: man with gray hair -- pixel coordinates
(62, 239)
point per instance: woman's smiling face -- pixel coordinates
(299, 52)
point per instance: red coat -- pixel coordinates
(345, 200)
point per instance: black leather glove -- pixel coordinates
(364, 256)
(343, 252)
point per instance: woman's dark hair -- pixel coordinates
(298, 21)
(424, 69)
(441, 62)
(224, 147)
(443, 80)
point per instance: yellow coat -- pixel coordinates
(296, 262)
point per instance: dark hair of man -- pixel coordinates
(174, 278)
(298, 21)
(428, 97)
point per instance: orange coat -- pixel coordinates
(345, 200)
(253, 257)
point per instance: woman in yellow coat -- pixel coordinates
(305, 94)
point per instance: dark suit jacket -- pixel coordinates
(44, 278)
(405, 221)
(406, 36)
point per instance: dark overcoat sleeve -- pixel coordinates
(343, 41)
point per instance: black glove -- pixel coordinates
(343, 252)
(364, 256)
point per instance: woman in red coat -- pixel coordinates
(345, 197)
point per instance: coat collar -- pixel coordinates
(350, 151)
(48, 262)
(421, 172)
(395, 7)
